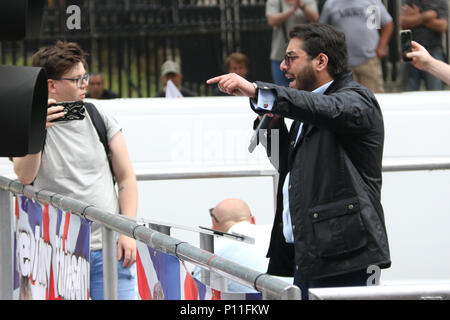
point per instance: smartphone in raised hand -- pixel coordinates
(405, 42)
(74, 110)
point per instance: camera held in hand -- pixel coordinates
(74, 110)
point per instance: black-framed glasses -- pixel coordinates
(288, 58)
(212, 215)
(78, 81)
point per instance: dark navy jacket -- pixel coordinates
(335, 181)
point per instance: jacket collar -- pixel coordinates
(337, 83)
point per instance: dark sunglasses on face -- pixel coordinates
(288, 58)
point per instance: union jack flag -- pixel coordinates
(163, 276)
(51, 253)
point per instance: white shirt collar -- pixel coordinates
(323, 88)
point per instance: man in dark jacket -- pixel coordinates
(329, 223)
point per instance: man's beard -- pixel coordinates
(306, 79)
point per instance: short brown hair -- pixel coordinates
(59, 58)
(236, 57)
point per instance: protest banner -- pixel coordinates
(162, 276)
(51, 260)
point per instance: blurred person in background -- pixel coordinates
(235, 63)
(366, 45)
(428, 21)
(171, 70)
(96, 88)
(282, 15)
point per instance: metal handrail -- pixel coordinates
(389, 165)
(271, 288)
(418, 291)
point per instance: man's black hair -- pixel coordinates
(322, 38)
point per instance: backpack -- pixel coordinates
(100, 127)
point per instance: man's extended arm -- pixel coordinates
(349, 112)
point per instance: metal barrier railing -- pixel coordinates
(429, 291)
(389, 165)
(271, 288)
(206, 241)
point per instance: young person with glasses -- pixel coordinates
(74, 163)
(329, 223)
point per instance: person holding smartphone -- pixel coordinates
(428, 21)
(424, 61)
(74, 163)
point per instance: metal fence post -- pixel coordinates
(6, 246)
(207, 244)
(275, 178)
(292, 292)
(110, 274)
(163, 229)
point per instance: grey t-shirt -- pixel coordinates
(359, 20)
(279, 43)
(74, 164)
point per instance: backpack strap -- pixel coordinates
(100, 127)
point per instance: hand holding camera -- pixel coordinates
(64, 111)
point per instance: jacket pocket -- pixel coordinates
(338, 227)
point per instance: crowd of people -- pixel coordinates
(329, 223)
(368, 28)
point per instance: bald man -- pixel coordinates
(233, 215)
(229, 212)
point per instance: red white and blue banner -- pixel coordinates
(162, 276)
(51, 261)
(51, 253)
